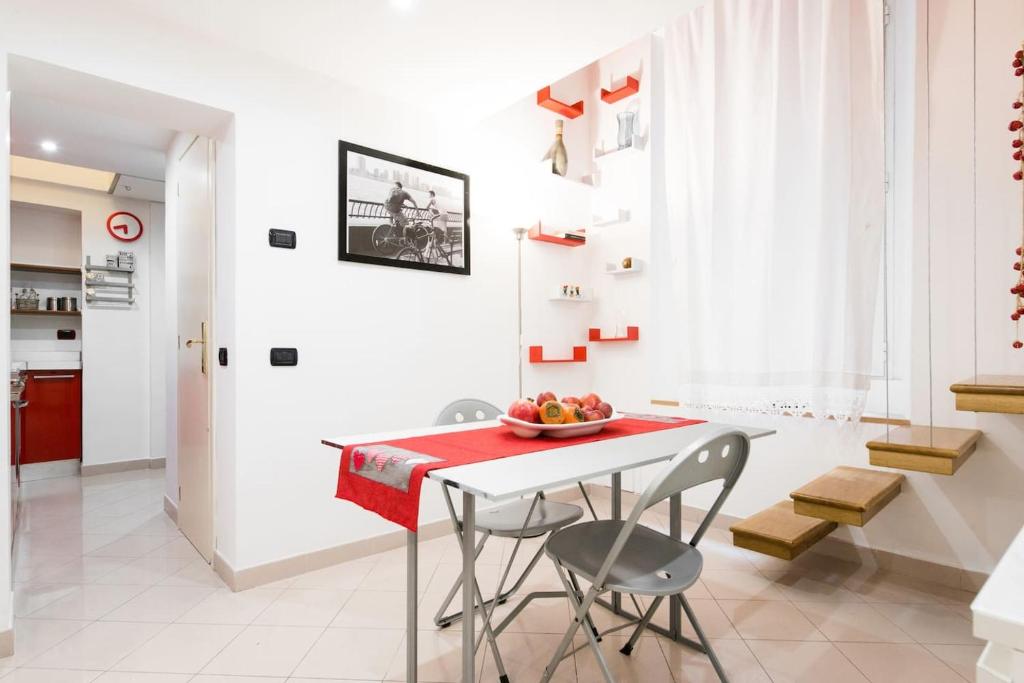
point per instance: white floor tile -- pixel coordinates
(265, 651)
(180, 648)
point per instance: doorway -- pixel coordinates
(162, 389)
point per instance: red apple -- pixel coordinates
(573, 400)
(591, 400)
(546, 396)
(524, 410)
(592, 415)
(605, 408)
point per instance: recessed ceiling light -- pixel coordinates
(404, 5)
(48, 146)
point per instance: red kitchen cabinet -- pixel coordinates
(52, 421)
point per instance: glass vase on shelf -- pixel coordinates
(627, 126)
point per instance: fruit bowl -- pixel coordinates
(530, 430)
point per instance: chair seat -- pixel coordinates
(507, 520)
(650, 564)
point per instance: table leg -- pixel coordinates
(411, 597)
(617, 515)
(468, 580)
(675, 530)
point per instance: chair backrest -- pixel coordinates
(467, 410)
(721, 454)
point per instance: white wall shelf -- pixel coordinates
(590, 179)
(637, 145)
(622, 216)
(617, 269)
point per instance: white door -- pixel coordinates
(195, 233)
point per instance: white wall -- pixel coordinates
(115, 342)
(275, 484)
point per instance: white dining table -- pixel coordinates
(522, 475)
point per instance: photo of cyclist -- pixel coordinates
(396, 201)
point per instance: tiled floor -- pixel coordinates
(109, 591)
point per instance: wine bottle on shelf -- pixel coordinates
(559, 157)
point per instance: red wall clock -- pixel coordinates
(124, 226)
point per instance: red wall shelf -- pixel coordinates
(536, 234)
(569, 111)
(579, 355)
(632, 334)
(632, 87)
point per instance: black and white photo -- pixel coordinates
(395, 211)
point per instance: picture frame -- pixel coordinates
(399, 212)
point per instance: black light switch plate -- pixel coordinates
(284, 239)
(222, 355)
(280, 356)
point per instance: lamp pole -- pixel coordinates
(519, 233)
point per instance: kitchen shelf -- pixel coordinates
(622, 216)
(39, 268)
(537, 235)
(632, 334)
(637, 144)
(44, 312)
(616, 269)
(569, 111)
(631, 88)
(579, 355)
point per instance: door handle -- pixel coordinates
(53, 376)
(201, 340)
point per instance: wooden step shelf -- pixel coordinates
(990, 394)
(579, 355)
(847, 495)
(936, 450)
(632, 334)
(780, 532)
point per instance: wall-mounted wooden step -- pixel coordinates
(990, 394)
(847, 495)
(780, 532)
(937, 450)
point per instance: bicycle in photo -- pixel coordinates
(425, 245)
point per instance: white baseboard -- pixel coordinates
(171, 509)
(124, 466)
(262, 574)
(7, 643)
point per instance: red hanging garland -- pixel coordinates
(1017, 126)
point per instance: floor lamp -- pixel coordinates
(519, 233)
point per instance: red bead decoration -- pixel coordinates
(1016, 266)
(1018, 175)
(1018, 344)
(1015, 316)
(1017, 105)
(1018, 143)
(1016, 125)
(1020, 251)
(1017, 63)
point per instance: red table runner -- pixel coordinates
(385, 477)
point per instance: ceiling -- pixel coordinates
(87, 137)
(462, 58)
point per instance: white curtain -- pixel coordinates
(767, 254)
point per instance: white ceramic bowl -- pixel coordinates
(529, 430)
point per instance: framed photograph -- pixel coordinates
(395, 211)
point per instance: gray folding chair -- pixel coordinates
(627, 557)
(518, 519)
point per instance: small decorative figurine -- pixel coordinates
(627, 262)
